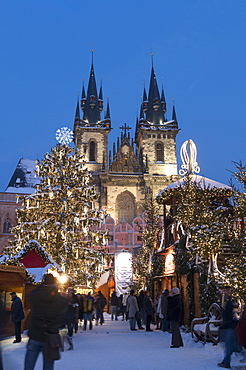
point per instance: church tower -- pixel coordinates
(135, 169)
(91, 131)
(156, 136)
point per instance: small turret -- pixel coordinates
(77, 114)
(163, 100)
(83, 97)
(145, 101)
(100, 99)
(114, 150)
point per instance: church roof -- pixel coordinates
(24, 178)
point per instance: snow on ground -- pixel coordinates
(113, 346)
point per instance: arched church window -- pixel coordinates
(92, 151)
(7, 226)
(125, 207)
(159, 152)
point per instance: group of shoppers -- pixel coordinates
(169, 308)
(52, 310)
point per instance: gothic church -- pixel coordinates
(136, 166)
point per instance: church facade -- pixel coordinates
(136, 167)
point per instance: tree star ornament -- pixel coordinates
(64, 135)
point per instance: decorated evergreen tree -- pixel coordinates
(148, 263)
(205, 218)
(60, 215)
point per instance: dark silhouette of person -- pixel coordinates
(17, 315)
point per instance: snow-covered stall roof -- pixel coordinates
(103, 279)
(204, 182)
(24, 178)
(35, 269)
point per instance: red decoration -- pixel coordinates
(33, 259)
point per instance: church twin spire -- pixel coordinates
(152, 111)
(153, 108)
(92, 104)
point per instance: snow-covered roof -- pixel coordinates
(36, 272)
(24, 178)
(103, 279)
(204, 182)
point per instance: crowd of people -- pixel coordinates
(54, 312)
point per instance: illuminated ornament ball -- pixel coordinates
(64, 135)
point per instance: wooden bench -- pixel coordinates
(206, 328)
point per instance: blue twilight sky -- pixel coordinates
(199, 51)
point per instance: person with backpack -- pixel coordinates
(88, 303)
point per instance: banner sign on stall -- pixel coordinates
(123, 272)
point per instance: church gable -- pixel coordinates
(125, 161)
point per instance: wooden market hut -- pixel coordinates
(21, 273)
(12, 279)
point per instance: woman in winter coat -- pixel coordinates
(174, 313)
(162, 310)
(132, 309)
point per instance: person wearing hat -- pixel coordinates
(17, 315)
(174, 314)
(48, 306)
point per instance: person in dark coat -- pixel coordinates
(227, 329)
(73, 305)
(174, 313)
(163, 310)
(141, 310)
(148, 309)
(17, 315)
(100, 303)
(48, 306)
(114, 306)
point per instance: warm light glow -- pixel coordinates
(62, 279)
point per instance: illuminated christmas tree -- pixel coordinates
(60, 215)
(148, 263)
